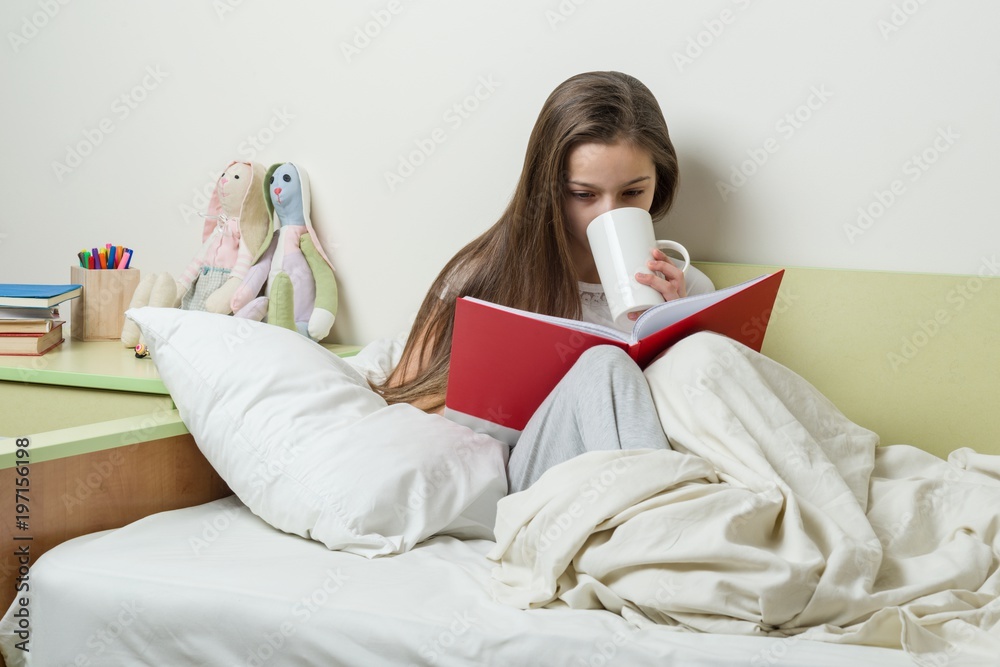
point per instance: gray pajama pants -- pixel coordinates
(603, 402)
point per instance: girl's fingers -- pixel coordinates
(669, 289)
(670, 281)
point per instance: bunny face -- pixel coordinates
(233, 186)
(286, 194)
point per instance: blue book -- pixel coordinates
(17, 295)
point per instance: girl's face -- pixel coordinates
(602, 177)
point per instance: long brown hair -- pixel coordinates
(523, 260)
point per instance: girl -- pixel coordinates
(600, 143)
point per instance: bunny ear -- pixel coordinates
(307, 210)
(266, 187)
(214, 208)
(255, 220)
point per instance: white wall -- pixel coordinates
(885, 80)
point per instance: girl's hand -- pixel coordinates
(670, 285)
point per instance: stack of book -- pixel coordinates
(29, 317)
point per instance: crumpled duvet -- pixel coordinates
(774, 514)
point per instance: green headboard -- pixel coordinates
(913, 357)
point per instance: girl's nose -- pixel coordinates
(607, 204)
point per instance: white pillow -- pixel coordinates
(377, 359)
(304, 442)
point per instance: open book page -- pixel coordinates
(28, 314)
(589, 327)
(663, 315)
(656, 318)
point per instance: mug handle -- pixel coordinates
(679, 249)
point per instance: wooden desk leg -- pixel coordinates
(83, 494)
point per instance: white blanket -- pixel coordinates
(774, 515)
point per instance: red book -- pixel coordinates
(505, 361)
(31, 344)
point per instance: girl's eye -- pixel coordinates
(582, 195)
(634, 193)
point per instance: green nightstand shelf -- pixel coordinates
(81, 383)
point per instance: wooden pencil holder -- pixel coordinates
(99, 312)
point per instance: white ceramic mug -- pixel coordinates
(621, 241)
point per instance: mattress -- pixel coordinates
(215, 585)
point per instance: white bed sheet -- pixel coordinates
(215, 585)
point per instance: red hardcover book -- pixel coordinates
(31, 344)
(504, 361)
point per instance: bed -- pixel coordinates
(912, 357)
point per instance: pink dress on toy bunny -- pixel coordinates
(236, 209)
